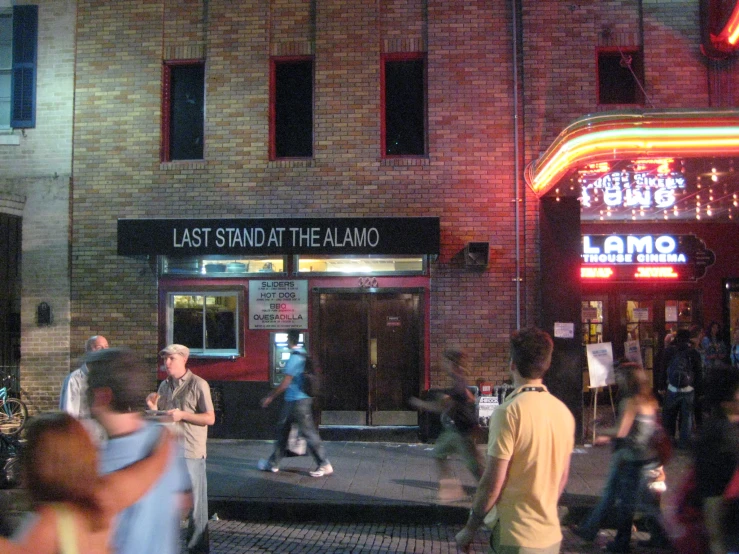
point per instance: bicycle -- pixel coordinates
(13, 412)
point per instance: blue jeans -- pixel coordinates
(198, 541)
(627, 493)
(300, 413)
(590, 527)
(679, 403)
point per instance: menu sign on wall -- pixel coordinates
(644, 257)
(278, 304)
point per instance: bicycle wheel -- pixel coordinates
(13, 415)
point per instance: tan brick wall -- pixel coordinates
(35, 173)
(468, 178)
(470, 151)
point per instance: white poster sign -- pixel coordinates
(485, 407)
(278, 304)
(600, 364)
(564, 330)
(632, 352)
(641, 314)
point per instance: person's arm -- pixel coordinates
(565, 476)
(436, 406)
(40, 538)
(119, 489)
(627, 419)
(488, 492)
(267, 400)
(202, 419)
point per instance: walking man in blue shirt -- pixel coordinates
(296, 410)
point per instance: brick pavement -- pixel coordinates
(234, 537)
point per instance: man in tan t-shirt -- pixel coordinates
(530, 442)
(186, 398)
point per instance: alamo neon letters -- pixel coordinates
(631, 249)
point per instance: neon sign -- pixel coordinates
(631, 249)
(644, 257)
(658, 272)
(596, 272)
(634, 189)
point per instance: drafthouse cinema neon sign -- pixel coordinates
(643, 257)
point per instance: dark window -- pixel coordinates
(18, 37)
(184, 100)
(404, 105)
(619, 76)
(291, 108)
(207, 322)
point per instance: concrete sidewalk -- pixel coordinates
(372, 481)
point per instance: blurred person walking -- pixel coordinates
(297, 409)
(117, 384)
(459, 423)
(716, 459)
(633, 452)
(74, 506)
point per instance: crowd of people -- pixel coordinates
(105, 475)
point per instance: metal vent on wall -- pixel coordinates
(476, 254)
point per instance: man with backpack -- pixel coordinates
(683, 374)
(297, 409)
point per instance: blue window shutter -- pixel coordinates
(23, 84)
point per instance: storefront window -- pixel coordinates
(219, 266)
(362, 265)
(678, 315)
(206, 322)
(592, 321)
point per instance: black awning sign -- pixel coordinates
(196, 237)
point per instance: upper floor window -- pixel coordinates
(403, 90)
(18, 36)
(620, 74)
(183, 114)
(291, 108)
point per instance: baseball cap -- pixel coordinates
(180, 349)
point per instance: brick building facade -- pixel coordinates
(484, 63)
(35, 184)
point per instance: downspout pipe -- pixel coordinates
(516, 160)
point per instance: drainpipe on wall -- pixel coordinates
(516, 165)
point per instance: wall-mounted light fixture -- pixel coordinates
(43, 314)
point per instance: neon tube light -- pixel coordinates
(726, 39)
(627, 135)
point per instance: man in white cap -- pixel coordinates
(186, 398)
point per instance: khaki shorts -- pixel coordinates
(497, 548)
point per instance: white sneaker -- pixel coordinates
(322, 471)
(265, 465)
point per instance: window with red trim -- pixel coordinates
(620, 76)
(183, 114)
(291, 108)
(403, 89)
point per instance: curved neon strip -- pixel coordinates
(727, 38)
(626, 135)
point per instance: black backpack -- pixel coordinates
(680, 371)
(311, 377)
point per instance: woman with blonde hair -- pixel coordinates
(74, 506)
